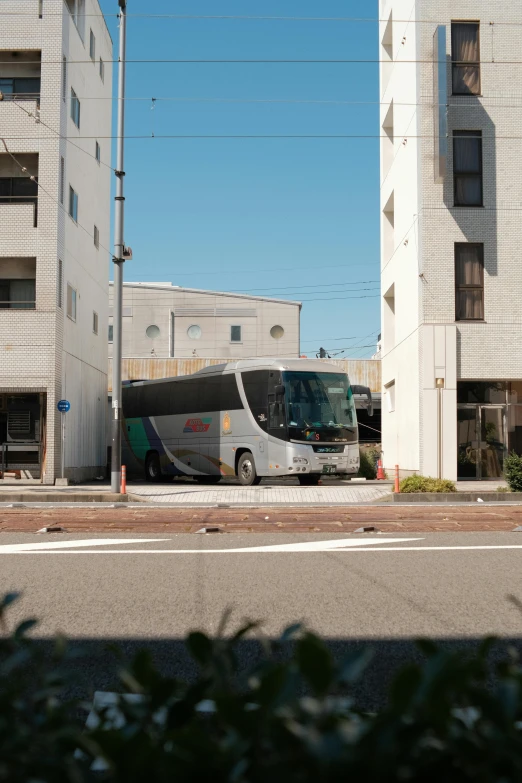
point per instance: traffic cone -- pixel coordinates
(380, 471)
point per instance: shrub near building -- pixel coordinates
(426, 484)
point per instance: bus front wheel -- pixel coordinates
(153, 467)
(246, 470)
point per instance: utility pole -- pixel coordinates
(118, 259)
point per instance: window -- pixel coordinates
(467, 168)
(277, 332)
(64, 78)
(469, 282)
(60, 283)
(97, 152)
(465, 58)
(95, 323)
(17, 294)
(75, 108)
(235, 334)
(73, 204)
(71, 302)
(96, 237)
(18, 190)
(102, 70)
(18, 87)
(62, 180)
(276, 412)
(194, 332)
(92, 46)
(111, 333)
(153, 332)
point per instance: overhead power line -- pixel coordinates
(262, 61)
(58, 135)
(263, 18)
(484, 100)
(152, 137)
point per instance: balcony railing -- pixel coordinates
(6, 305)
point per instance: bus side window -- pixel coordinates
(276, 418)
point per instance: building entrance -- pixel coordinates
(489, 426)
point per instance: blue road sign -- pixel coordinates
(64, 406)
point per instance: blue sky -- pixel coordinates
(291, 218)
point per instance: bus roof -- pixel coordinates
(294, 365)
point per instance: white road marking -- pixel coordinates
(308, 546)
(10, 549)
(338, 545)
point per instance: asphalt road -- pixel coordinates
(383, 590)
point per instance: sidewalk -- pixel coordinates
(187, 493)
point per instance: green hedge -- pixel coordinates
(426, 484)
(368, 465)
(513, 471)
(290, 719)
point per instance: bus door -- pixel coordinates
(276, 421)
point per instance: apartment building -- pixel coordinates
(55, 154)
(162, 321)
(451, 202)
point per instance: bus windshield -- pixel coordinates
(319, 406)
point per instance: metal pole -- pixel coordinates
(118, 263)
(63, 446)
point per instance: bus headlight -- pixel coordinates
(354, 461)
(300, 460)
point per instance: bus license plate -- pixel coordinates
(329, 468)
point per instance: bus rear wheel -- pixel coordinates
(246, 470)
(207, 479)
(309, 479)
(153, 467)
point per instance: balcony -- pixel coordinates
(18, 204)
(17, 283)
(20, 76)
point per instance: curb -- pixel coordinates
(427, 498)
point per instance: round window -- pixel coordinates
(153, 331)
(277, 332)
(194, 332)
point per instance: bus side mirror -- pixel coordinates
(280, 390)
(367, 391)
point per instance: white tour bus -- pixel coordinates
(250, 418)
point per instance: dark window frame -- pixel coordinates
(64, 78)
(96, 237)
(75, 109)
(92, 46)
(74, 204)
(470, 287)
(457, 176)
(236, 326)
(456, 64)
(72, 303)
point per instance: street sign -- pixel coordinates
(64, 406)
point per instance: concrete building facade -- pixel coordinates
(451, 196)
(55, 119)
(166, 321)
